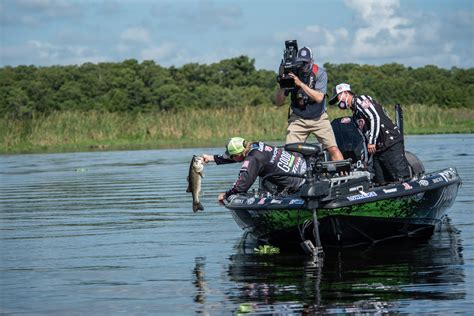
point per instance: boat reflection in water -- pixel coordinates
(391, 278)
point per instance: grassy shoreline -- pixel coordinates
(87, 131)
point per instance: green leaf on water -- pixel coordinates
(267, 250)
(244, 308)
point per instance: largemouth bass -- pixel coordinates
(196, 168)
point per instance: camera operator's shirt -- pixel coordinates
(310, 109)
(263, 160)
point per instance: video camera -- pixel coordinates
(289, 64)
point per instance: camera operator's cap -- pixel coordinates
(339, 89)
(304, 54)
(235, 146)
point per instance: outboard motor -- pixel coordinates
(415, 165)
(312, 191)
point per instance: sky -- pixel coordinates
(65, 32)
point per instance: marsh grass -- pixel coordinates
(73, 131)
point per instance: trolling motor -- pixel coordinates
(317, 187)
(313, 190)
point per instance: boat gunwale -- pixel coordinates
(343, 201)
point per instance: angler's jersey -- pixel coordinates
(262, 160)
(301, 104)
(374, 123)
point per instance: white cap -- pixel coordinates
(339, 89)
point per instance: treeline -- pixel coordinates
(131, 86)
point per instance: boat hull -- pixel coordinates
(407, 210)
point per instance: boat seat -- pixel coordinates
(305, 149)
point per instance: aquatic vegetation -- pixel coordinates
(267, 250)
(93, 130)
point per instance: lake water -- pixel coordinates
(114, 233)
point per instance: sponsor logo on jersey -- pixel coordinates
(286, 161)
(297, 165)
(276, 151)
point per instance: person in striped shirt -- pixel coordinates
(384, 139)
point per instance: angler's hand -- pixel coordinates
(371, 149)
(207, 158)
(221, 198)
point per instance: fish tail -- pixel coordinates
(197, 206)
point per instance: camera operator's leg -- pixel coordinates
(322, 129)
(297, 130)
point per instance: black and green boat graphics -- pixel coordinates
(410, 209)
(351, 211)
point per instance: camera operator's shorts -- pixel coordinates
(299, 130)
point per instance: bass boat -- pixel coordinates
(349, 210)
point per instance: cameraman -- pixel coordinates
(308, 104)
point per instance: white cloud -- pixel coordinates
(132, 40)
(44, 53)
(380, 34)
(50, 52)
(160, 53)
(364, 31)
(374, 11)
(136, 34)
(385, 33)
(325, 43)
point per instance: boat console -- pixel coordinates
(328, 180)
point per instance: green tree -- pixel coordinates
(17, 104)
